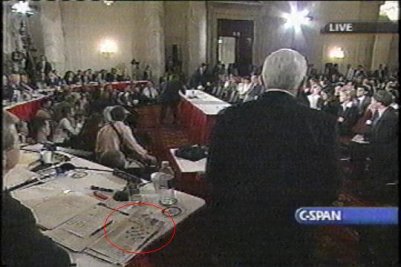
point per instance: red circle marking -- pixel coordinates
(138, 204)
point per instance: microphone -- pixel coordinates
(58, 170)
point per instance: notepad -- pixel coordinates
(60, 208)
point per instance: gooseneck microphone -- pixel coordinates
(65, 167)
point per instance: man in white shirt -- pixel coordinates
(150, 92)
(314, 97)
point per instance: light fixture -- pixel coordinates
(336, 53)
(22, 7)
(108, 48)
(108, 2)
(296, 18)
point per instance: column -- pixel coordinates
(197, 36)
(53, 36)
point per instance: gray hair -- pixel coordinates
(284, 69)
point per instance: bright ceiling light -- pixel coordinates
(296, 18)
(390, 9)
(22, 7)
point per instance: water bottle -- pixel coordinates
(166, 188)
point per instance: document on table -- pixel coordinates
(84, 229)
(130, 235)
(60, 208)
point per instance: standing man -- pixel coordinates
(43, 67)
(267, 158)
(170, 97)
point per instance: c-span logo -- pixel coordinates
(346, 215)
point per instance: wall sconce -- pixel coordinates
(108, 2)
(108, 48)
(336, 53)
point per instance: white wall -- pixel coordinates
(86, 24)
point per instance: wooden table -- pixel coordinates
(65, 183)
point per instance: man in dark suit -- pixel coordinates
(383, 139)
(362, 100)
(43, 67)
(267, 158)
(200, 77)
(170, 97)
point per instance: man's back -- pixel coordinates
(267, 158)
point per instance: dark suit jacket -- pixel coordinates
(22, 244)
(267, 158)
(363, 106)
(350, 115)
(199, 79)
(170, 92)
(48, 67)
(383, 138)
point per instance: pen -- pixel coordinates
(98, 230)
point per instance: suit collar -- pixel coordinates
(277, 96)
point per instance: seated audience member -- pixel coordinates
(67, 128)
(69, 78)
(15, 86)
(347, 114)
(150, 92)
(244, 87)
(383, 139)
(19, 232)
(124, 98)
(111, 76)
(314, 98)
(68, 102)
(41, 130)
(7, 90)
(26, 84)
(78, 77)
(329, 103)
(81, 105)
(362, 100)
(86, 139)
(116, 136)
(53, 80)
(256, 89)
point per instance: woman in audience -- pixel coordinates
(329, 102)
(69, 78)
(67, 127)
(347, 114)
(87, 137)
